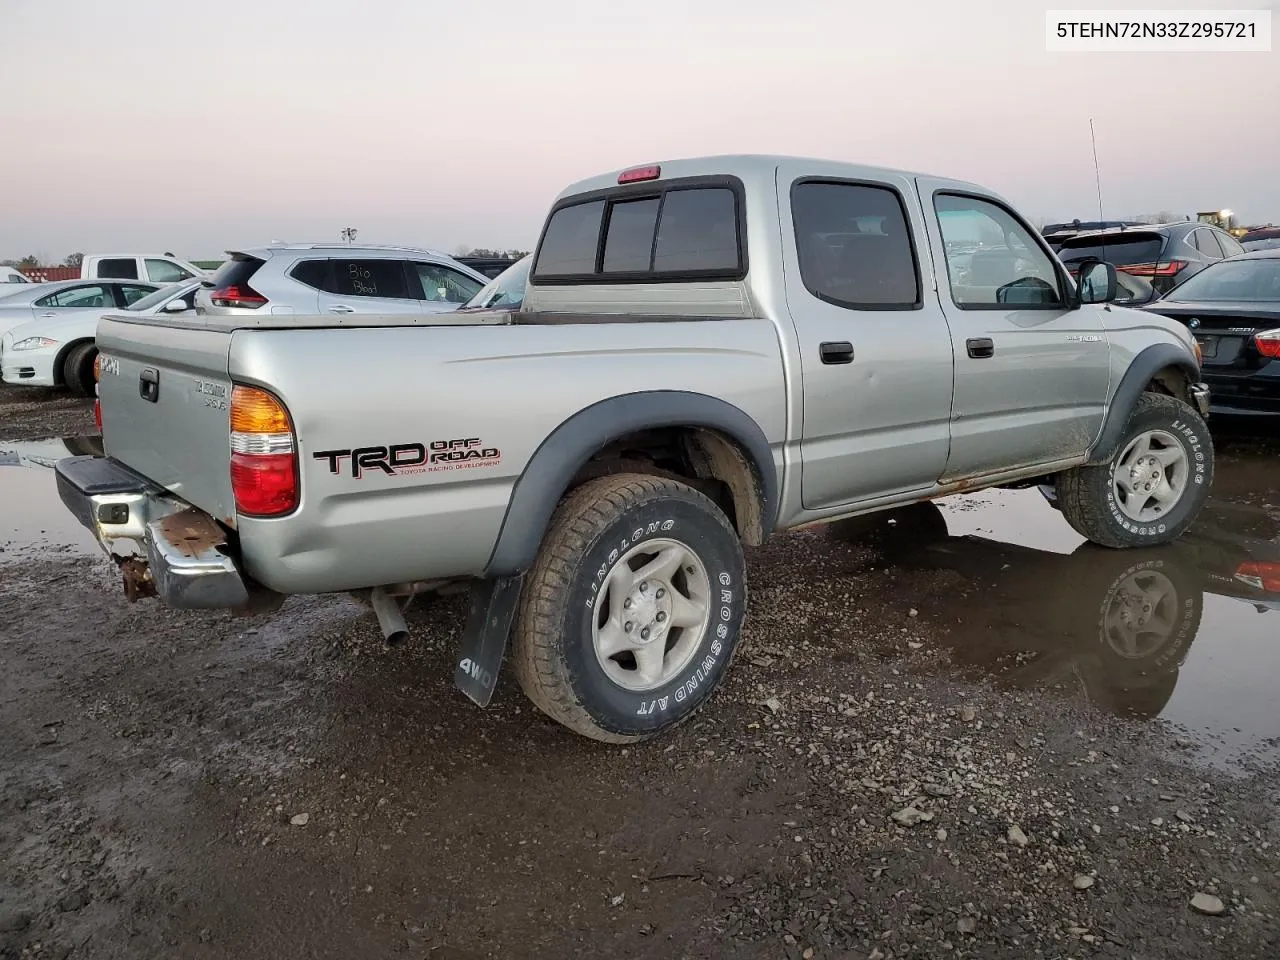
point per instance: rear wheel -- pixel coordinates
(1154, 485)
(631, 613)
(77, 369)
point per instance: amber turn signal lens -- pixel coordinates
(256, 411)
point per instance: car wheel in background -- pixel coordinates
(77, 369)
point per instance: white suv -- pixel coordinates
(310, 278)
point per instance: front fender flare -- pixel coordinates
(1142, 370)
(559, 457)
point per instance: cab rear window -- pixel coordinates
(659, 232)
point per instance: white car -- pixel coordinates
(61, 351)
(12, 281)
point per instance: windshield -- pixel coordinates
(158, 297)
(504, 290)
(1250, 281)
(1120, 249)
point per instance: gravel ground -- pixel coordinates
(206, 786)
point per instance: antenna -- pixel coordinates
(1097, 174)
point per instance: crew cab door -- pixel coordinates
(1031, 374)
(875, 353)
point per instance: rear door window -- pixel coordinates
(1208, 244)
(132, 292)
(854, 247)
(384, 279)
(118, 268)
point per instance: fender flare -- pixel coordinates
(1142, 369)
(553, 465)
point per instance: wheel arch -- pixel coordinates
(1160, 368)
(721, 443)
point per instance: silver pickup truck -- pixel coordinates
(709, 351)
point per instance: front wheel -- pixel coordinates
(77, 369)
(1152, 488)
(631, 613)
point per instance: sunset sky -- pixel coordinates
(157, 125)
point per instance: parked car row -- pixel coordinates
(47, 330)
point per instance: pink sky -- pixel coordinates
(193, 127)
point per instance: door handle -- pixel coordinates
(48, 316)
(836, 351)
(980, 347)
(149, 384)
(341, 308)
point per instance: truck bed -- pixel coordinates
(468, 383)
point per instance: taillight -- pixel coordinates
(1260, 574)
(1165, 268)
(264, 460)
(1268, 343)
(237, 295)
(97, 403)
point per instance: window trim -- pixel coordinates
(1066, 290)
(642, 191)
(918, 304)
(104, 285)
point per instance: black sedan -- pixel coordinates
(1233, 308)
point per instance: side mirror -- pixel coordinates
(177, 306)
(1098, 282)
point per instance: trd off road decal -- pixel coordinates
(403, 458)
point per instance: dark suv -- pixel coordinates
(1165, 254)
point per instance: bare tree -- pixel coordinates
(74, 260)
(29, 262)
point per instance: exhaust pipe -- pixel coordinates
(390, 617)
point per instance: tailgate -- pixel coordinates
(166, 403)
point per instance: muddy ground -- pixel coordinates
(952, 742)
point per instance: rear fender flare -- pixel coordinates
(1142, 370)
(562, 454)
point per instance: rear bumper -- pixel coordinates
(185, 557)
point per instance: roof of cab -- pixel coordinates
(748, 166)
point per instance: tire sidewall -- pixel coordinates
(627, 712)
(1192, 433)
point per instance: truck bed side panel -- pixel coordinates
(181, 439)
(486, 396)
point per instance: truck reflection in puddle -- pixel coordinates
(1189, 631)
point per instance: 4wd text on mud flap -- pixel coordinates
(400, 458)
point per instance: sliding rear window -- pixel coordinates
(658, 232)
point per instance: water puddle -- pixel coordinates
(1189, 632)
(32, 515)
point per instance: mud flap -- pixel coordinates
(484, 641)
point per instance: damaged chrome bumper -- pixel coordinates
(185, 560)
